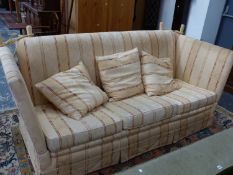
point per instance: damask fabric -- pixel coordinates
(42, 57)
(73, 92)
(157, 75)
(62, 132)
(120, 74)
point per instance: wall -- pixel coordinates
(204, 19)
(213, 19)
(196, 18)
(167, 8)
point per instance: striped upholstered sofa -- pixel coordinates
(123, 129)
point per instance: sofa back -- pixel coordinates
(42, 57)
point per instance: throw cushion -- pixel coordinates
(73, 92)
(157, 75)
(120, 74)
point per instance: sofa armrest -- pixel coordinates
(202, 64)
(23, 102)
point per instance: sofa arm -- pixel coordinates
(23, 102)
(202, 64)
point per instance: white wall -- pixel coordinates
(196, 18)
(204, 19)
(213, 20)
(167, 8)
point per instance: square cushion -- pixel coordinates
(73, 92)
(157, 75)
(121, 74)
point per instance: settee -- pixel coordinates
(61, 145)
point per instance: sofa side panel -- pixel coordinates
(23, 101)
(203, 64)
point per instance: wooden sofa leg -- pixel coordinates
(182, 29)
(161, 26)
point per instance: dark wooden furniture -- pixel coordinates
(46, 4)
(5, 4)
(15, 4)
(10, 3)
(103, 15)
(151, 16)
(22, 27)
(38, 15)
(181, 13)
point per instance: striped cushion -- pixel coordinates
(157, 75)
(73, 92)
(62, 132)
(121, 74)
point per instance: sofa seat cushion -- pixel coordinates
(143, 110)
(62, 132)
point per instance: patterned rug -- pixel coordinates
(14, 159)
(6, 99)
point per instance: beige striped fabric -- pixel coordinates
(202, 64)
(87, 158)
(120, 130)
(62, 132)
(24, 104)
(120, 74)
(110, 150)
(142, 110)
(121, 147)
(73, 92)
(41, 57)
(140, 140)
(157, 75)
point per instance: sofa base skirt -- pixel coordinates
(137, 142)
(40, 161)
(102, 153)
